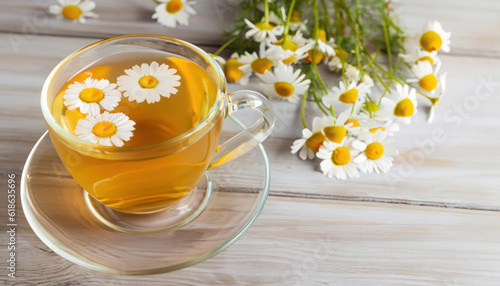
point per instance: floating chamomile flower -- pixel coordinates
(169, 13)
(436, 102)
(376, 152)
(284, 83)
(234, 73)
(346, 94)
(90, 95)
(149, 82)
(263, 31)
(261, 62)
(74, 9)
(404, 106)
(105, 129)
(426, 77)
(338, 159)
(435, 38)
(311, 141)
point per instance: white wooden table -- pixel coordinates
(433, 220)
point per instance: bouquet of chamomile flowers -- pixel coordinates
(351, 60)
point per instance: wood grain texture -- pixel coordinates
(473, 27)
(430, 169)
(309, 242)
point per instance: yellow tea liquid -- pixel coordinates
(144, 186)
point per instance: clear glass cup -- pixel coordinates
(148, 172)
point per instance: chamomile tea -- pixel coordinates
(132, 99)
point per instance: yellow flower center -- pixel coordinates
(104, 129)
(284, 88)
(371, 106)
(287, 44)
(335, 133)
(431, 41)
(354, 122)
(232, 70)
(341, 156)
(404, 108)
(374, 150)
(91, 95)
(289, 60)
(322, 35)
(296, 15)
(71, 12)
(426, 58)
(373, 130)
(265, 25)
(349, 96)
(315, 141)
(428, 82)
(174, 6)
(148, 81)
(318, 56)
(261, 65)
(341, 54)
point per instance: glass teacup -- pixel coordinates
(156, 172)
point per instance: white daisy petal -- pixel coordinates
(107, 129)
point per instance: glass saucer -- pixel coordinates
(57, 210)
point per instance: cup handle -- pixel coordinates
(251, 136)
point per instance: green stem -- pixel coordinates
(266, 11)
(316, 21)
(356, 34)
(327, 20)
(225, 46)
(302, 111)
(288, 19)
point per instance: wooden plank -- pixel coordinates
(447, 175)
(308, 242)
(473, 36)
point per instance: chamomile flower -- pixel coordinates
(347, 94)
(324, 49)
(338, 159)
(91, 95)
(352, 74)
(107, 129)
(263, 31)
(341, 126)
(426, 77)
(74, 10)
(234, 73)
(334, 63)
(293, 48)
(376, 152)
(261, 62)
(149, 82)
(311, 141)
(403, 107)
(435, 104)
(284, 83)
(435, 38)
(169, 13)
(415, 54)
(296, 24)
